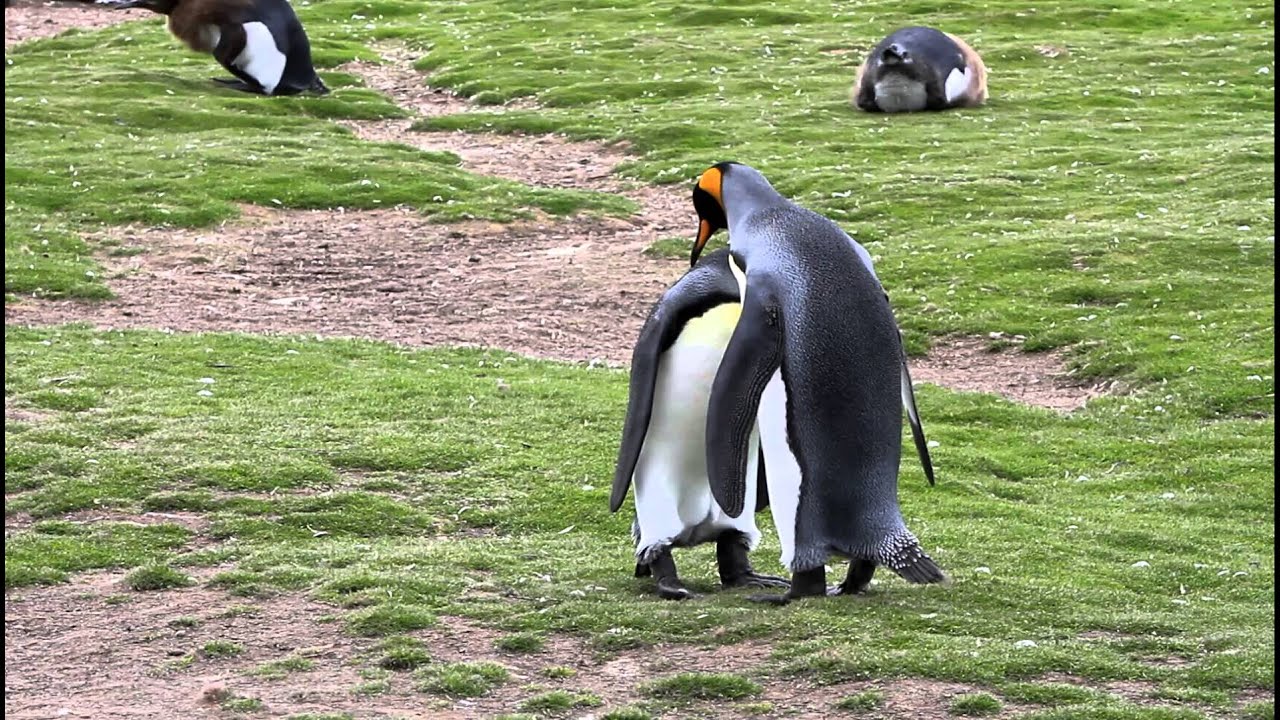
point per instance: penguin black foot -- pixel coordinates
(735, 567)
(673, 589)
(237, 84)
(858, 579)
(806, 583)
(663, 569)
(756, 580)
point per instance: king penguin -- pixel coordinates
(920, 68)
(663, 447)
(260, 42)
(816, 359)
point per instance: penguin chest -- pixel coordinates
(899, 93)
(674, 503)
(261, 59)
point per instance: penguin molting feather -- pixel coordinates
(920, 68)
(816, 345)
(663, 447)
(260, 42)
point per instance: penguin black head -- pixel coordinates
(709, 203)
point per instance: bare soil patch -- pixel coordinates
(143, 658)
(966, 363)
(13, 413)
(575, 290)
(32, 19)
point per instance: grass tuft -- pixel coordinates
(559, 701)
(221, 649)
(520, 643)
(389, 619)
(703, 686)
(464, 679)
(975, 705)
(864, 701)
(403, 653)
(156, 577)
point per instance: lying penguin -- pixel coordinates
(260, 42)
(920, 68)
(663, 439)
(816, 361)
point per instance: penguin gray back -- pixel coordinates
(813, 312)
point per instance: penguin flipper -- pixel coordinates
(704, 287)
(753, 355)
(644, 376)
(917, 429)
(762, 485)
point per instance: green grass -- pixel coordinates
(243, 704)
(703, 686)
(559, 702)
(520, 643)
(465, 679)
(627, 714)
(1259, 711)
(156, 577)
(281, 669)
(221, 649)
(975, 705)
(401, 486)
(558, 672)
(403, 653)
(388, 619)
(862, 702)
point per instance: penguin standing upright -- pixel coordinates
(663, 440)
(260, 42)
(920, 68)
(816, 360)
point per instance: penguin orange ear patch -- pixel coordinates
(711, 181)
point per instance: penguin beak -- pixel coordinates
(705, 231)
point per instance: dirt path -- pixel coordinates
(112, 654)
(32, 19)
(568, 289)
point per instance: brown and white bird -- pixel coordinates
(260, 42)
(920, 68)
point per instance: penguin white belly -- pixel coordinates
(782, 471)
(898, 93)
(674, 504)
(958, 84)
(261, 59)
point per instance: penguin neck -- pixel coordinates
(750, 194)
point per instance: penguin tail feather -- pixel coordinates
(923, 571)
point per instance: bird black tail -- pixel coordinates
(903, 555)
(923, 571)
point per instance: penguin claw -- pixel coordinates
(757, 580)
(674, 592)
(779, 600)
(835, 590)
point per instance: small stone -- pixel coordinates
(983, 569)
(1141, 564)
(1026, 644)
